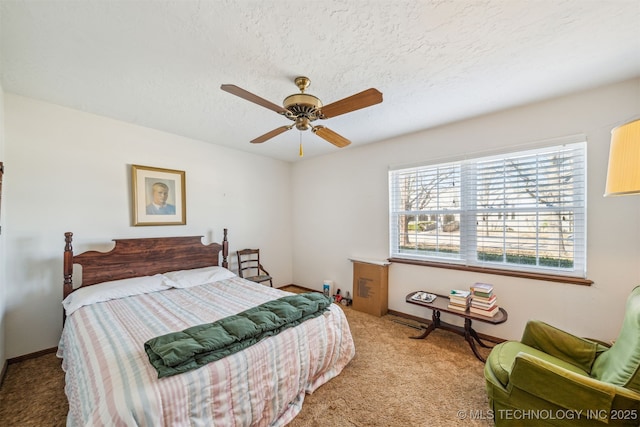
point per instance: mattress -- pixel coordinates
(109, 380)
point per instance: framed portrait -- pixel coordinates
(158, 196)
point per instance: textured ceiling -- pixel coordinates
(160, 64)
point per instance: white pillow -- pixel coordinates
(198, 276)
(113, 290)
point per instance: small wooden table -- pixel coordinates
(439, 305)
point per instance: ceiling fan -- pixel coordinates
(303, 109)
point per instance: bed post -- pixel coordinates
(225, 250)
(68, 264)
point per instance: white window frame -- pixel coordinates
(469, 210)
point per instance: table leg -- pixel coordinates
(471, 336)
(468, 336)
(435, 322)
(474, 334)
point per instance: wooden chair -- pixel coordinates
(250, 268)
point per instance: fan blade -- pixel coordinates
(271, 134)
(237, 91)
(329, 135)
(355, 102)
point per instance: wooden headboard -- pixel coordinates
(141, 257)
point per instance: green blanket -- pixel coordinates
(179, 352)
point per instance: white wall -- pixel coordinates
(341, 210)
(70, 171)
(3, 285)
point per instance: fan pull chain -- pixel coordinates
(301, 152)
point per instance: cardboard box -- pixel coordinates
(370, 287)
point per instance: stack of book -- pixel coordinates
(483, 300)
(459, 300)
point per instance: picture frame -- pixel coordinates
(159, 196)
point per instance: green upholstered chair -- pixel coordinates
(552, 377)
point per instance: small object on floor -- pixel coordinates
(347, 299)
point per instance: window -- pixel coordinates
(521, 211)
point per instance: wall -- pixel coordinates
(341, 210)
(3, 264)
(70, 171)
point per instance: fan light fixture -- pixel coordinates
(623, 175)
(303, 109)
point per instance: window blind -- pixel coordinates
(520, 211)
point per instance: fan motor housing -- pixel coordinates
(302, 104)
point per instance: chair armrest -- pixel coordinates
(563, 345)
(262, 268)
(564, 388)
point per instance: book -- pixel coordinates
(484, 309)
(457, 307)
(460, 300)
(459, 304)
(484, 299)
(482, 294)
(483, 306)
(482, 287)
(456, 293)
(482, 290)
(487, 313)
(484, 302)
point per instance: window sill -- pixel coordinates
(512, 273)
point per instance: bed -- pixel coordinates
(144, 288)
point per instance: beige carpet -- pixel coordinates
(392, 381)
(32, 393)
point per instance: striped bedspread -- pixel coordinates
(109, 380)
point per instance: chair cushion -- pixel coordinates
(620, 365)
(502, 357)
(556, 342)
